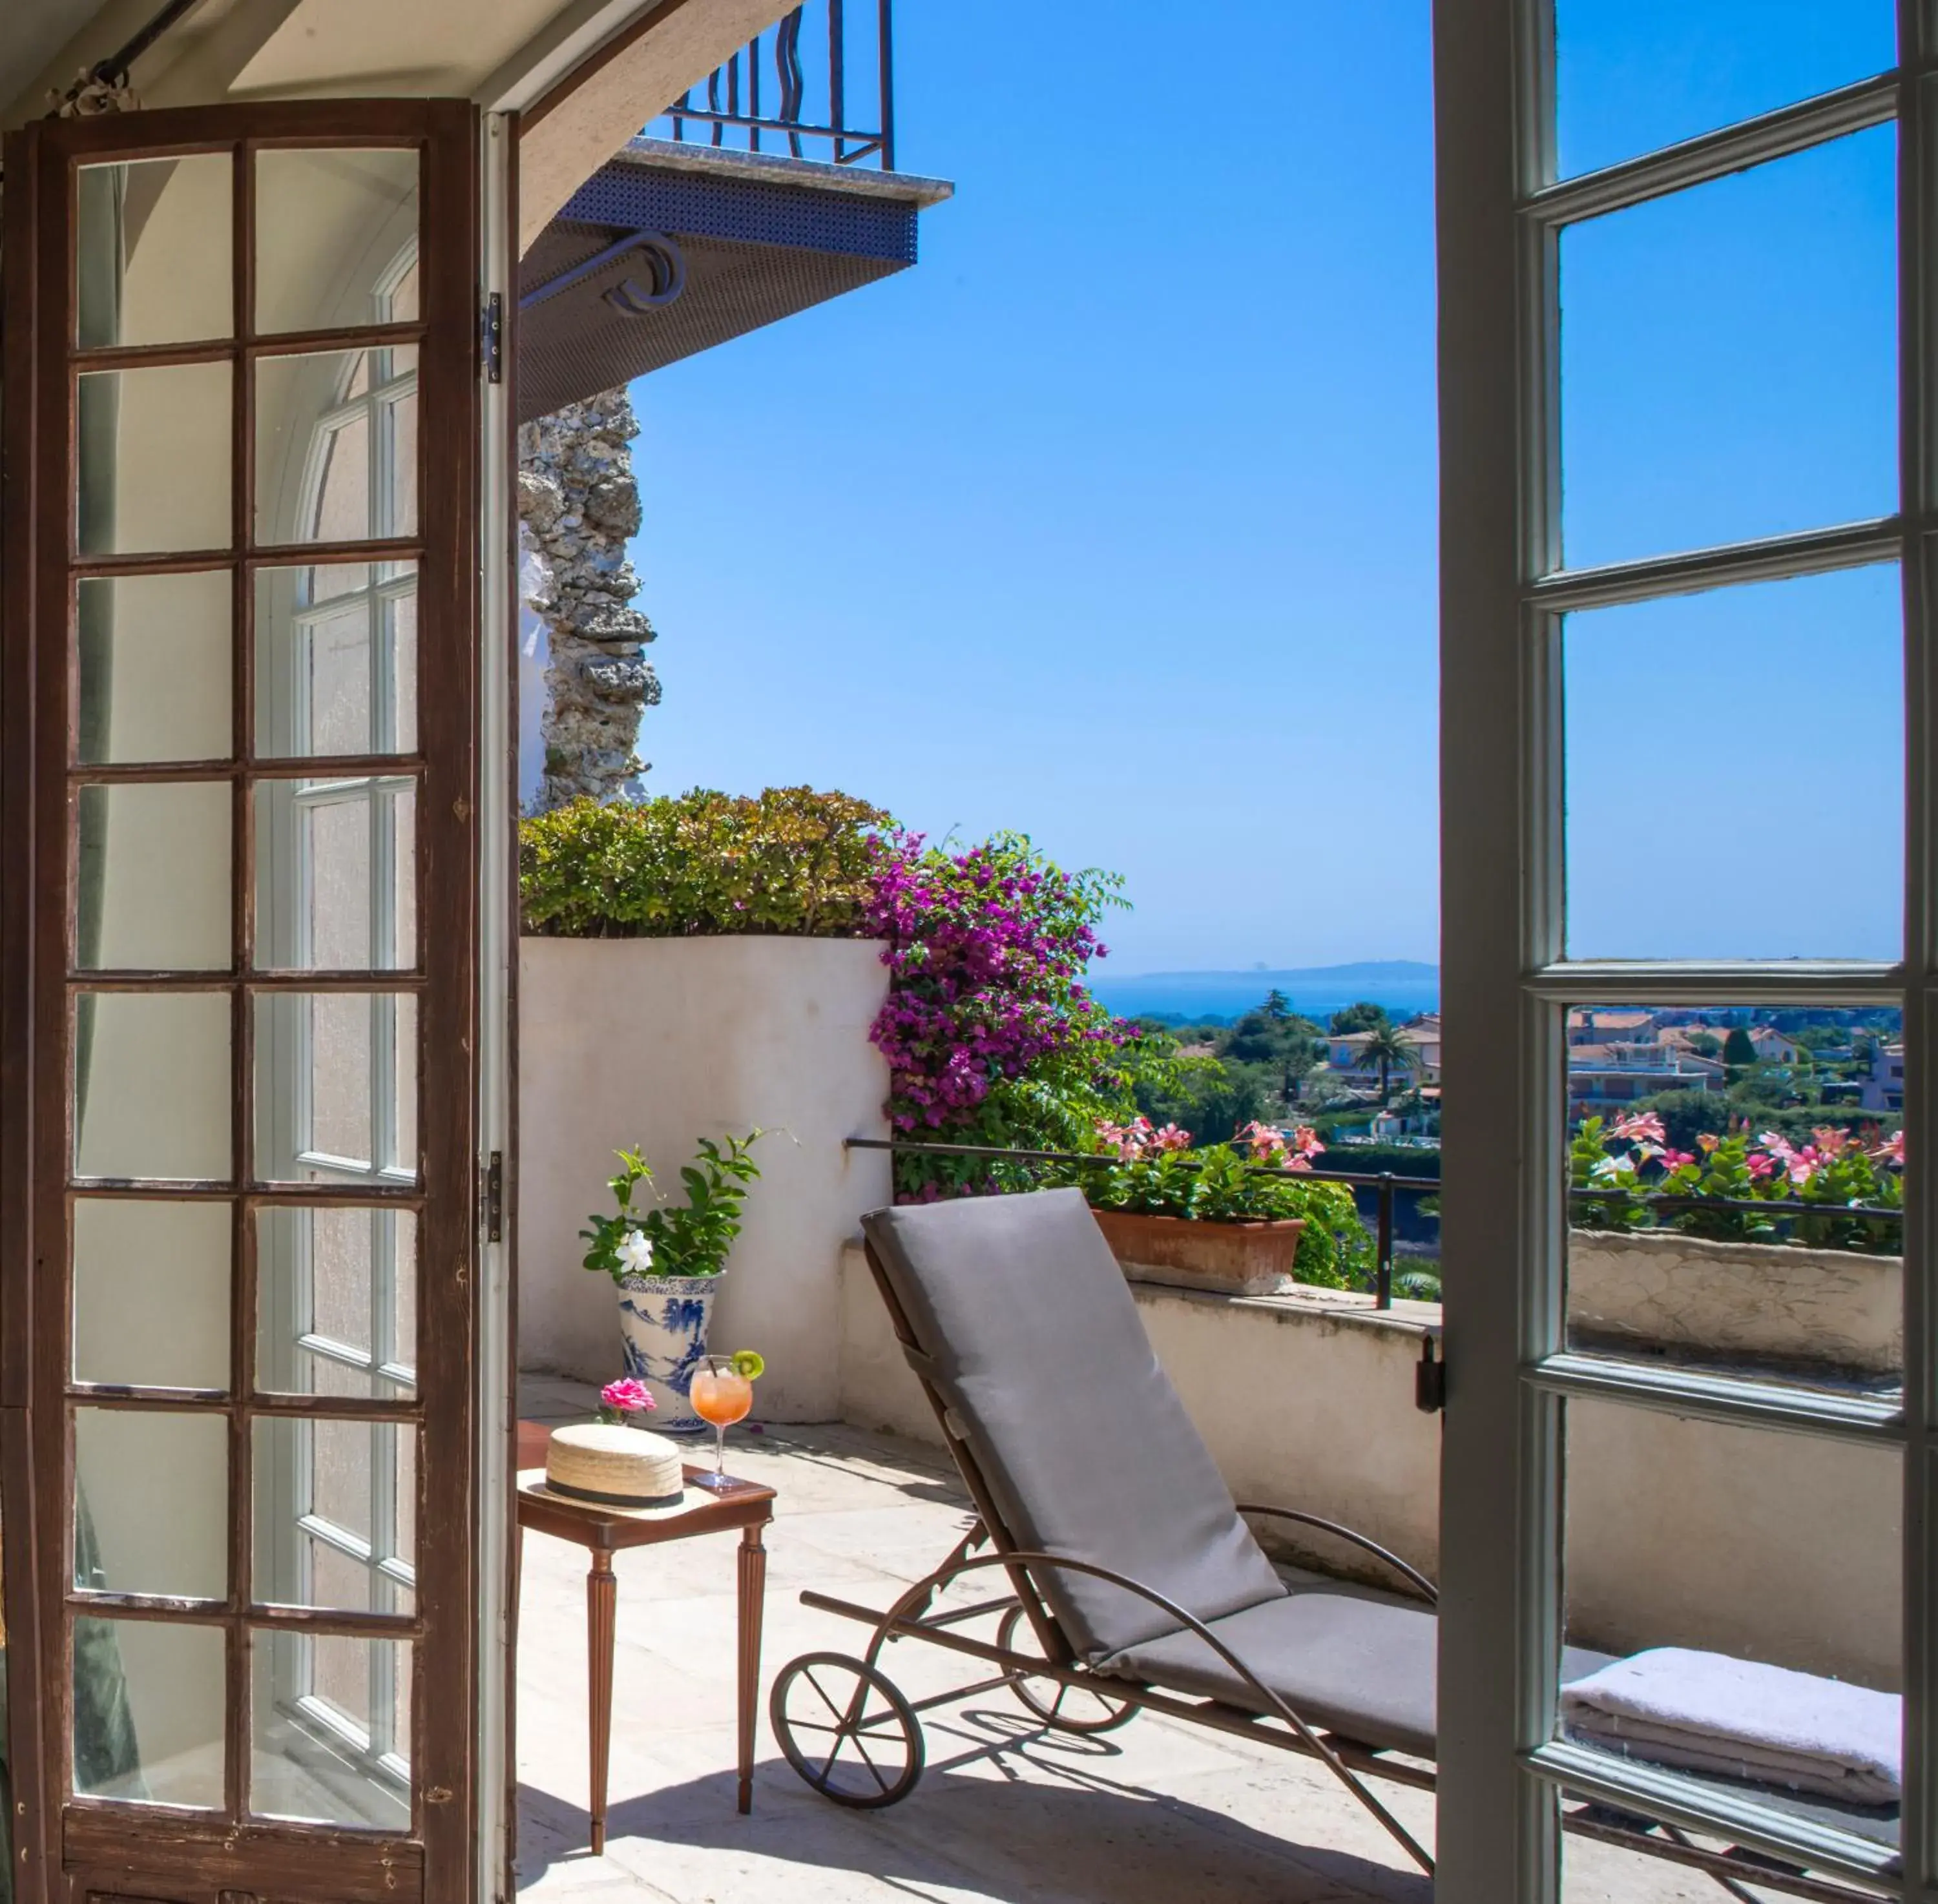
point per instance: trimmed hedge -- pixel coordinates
(789, 861)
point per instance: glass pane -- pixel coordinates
(336, 446)
(334, 861)
(148, 1711)
(336, 1097)
(1736, 1193)
(152, 473)
(153, 873)
(156, 662)
(337, 1301)
(152, 1091)
(330, 1730)
(1634, 75)
(154, 251)
(331, 1524)
(336, 659)
(151, 1284)
(1755, 1595)
(336, 238)
(1683, 800)
(151, 1499)
(1729, 357)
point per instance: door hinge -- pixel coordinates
(1430, 1380)
(494, 1198)
(491, 338)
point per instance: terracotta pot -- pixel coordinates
(1234, 1259)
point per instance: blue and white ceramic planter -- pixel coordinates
(662, 1322)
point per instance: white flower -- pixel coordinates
(635, 1253)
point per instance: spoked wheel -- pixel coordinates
(1064, 1708)
(846, 1730)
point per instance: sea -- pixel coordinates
(1405, 987)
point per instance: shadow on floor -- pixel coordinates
(1066, 1831)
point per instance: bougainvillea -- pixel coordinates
(991, 1035)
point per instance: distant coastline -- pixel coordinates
(1404, 986)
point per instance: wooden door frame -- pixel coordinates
(105, 1845)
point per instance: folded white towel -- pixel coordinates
(1706, 1712)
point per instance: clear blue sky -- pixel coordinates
(1114, 521)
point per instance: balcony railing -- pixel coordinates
(774, 94)
(1386, 1185)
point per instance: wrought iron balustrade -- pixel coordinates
(774, 94)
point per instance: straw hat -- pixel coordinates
(613, 1467)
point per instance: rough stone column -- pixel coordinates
(578, 499)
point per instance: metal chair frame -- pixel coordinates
(912, 1617)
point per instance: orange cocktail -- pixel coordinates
(722, 1392)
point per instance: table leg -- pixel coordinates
(602, 1597)
(753, 1589)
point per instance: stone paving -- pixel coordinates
(1006, 1813)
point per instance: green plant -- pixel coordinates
(690, 1239)
(789, 861)
(1811, 1193)
(1153, 1172)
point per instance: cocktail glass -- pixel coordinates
(722, 1395)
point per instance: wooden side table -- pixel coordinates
(604, 1531)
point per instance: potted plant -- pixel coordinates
(667, 1261)
(1213, 1219)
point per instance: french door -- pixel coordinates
(238, 799)
(1591, 602)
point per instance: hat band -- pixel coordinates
(615, 1500)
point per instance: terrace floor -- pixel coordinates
(1160, 1812)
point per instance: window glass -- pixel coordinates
(1769, 1666)
(336, 659)
(149, 1719)
(153, 1486)
(1736, 1190)
(1729, 357)
(154, 252)
(1735, 771)
(156, 883)
(155, 657)
(336, 237)
(152, 473)
(152, 1090)
(330, 1729)
(1634, 75)
(151, 1283)
(336, 458)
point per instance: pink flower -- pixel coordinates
(1645, 1125)
(1777, 1146)
(1169, 1138)
(1831, 1139)
(1760, 1165)
(1708, 1142)
(1892, 1151)
(1673, 1160)
(1268, 1145)
(1305, 1141)
(626, 1396)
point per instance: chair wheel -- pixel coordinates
(1063, 1708)
(846, 1730)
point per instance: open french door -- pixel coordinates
(1567, 624)
(239, 1031)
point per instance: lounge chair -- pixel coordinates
(1133, 1582)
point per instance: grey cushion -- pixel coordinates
(1034, 1342)
(1361, 1667)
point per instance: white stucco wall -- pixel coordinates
(661, 1042)
(1679, 1533)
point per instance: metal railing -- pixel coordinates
(807, 111)
(1384, 1181)
(1387, 1183)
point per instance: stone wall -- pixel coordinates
(579, 504)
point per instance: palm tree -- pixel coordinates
(1387, 1045)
